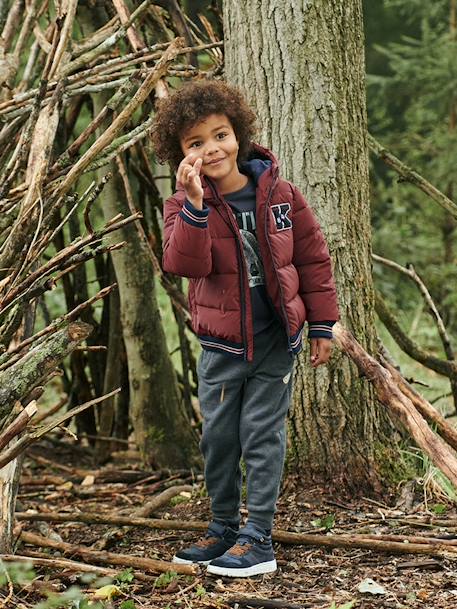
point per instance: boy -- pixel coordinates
(258, 268)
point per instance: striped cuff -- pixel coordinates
(194, 216)
(320, 329)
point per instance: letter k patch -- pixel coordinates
(281, 216)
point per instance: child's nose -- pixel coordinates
(211, 147)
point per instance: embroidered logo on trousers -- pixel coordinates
(281, 216)
(286, 379)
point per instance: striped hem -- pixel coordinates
(194, 216)
(296, 341)
(210, 343)
(320, 329)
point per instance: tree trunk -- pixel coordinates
(112, 371)
(302, 67)
(162, 429)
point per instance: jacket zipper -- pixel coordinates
(241, 266)
(281, 295)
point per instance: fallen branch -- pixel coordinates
(38, 559)
(398, 404)
(150, 565)
(447, 432)
(145, 511)
(15, 354)
(160, 500)
(437, 548)
(120, 121)
(264, 603)
(411, 273)
(48, 413)
(444, 336)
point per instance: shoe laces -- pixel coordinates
(205, 542)
(240, 548)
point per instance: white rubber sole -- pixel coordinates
(183, 561)
(263, 567)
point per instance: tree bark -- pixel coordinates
(302, 67)
(17, 380)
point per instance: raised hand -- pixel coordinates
(188, 175)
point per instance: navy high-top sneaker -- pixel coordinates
(251, 555)
(219, 538)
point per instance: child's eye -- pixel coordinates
(220, 136)
(195, 145)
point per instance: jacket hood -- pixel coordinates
(260, 162)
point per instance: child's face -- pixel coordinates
(214, 141)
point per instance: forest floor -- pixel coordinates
(307, 576)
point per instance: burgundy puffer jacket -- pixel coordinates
(205, 245)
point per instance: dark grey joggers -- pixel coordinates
(244, 407)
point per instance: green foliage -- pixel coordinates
(129, 604)
(392, 469)
(178, 499)
(126, 576)
(200, 592)
(16, 572)
(326, 522)
(434, 482)
(165, 579)
(73, 598)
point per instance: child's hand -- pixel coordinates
(321, 349)
(189, 175)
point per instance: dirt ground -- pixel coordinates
(307, 576)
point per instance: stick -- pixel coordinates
(36, 558)
(120, 121)
(398, 404)
(411, 348)
(330, 541)
(30, 370)
(18, 425)
(412, 176)
(447, 432)
(28, 439)
(44, 415)
(150, 565)
(411, 273)
(263, 603)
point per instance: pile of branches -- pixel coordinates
(46, 81)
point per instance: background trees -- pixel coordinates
(412, 110)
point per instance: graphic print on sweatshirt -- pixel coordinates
(243, 206)
(247, 225)
(256, 273)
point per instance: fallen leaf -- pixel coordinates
(369, 586)
(107, 592)
(88, 480)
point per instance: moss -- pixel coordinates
(392, 467)
(154, 435)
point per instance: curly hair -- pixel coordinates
(191, 104)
